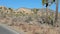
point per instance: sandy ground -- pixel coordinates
(32, 28)
(35, 29)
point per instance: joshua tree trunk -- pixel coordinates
(56, 14)
(46, 14)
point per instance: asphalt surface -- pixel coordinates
(4, 30)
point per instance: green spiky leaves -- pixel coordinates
(45, 2)
(53, 0)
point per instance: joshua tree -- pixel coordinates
(56, 14)
(46, 2)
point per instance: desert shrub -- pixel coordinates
(17, 15)
(42, 19)
(35, 10)
(50, 20)
(36, 33)
(28, 19)
(0, 7)
(10, 9)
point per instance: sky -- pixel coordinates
(25, 3)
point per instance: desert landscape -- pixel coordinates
(30, 21)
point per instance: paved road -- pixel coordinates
(4, 30)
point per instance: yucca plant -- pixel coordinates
(46, 2)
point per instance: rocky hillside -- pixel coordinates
(28, 15)
(30, 21)
(26, 10)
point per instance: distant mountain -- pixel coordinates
(26, 10)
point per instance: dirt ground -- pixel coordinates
(32, 28)
(35, 29)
